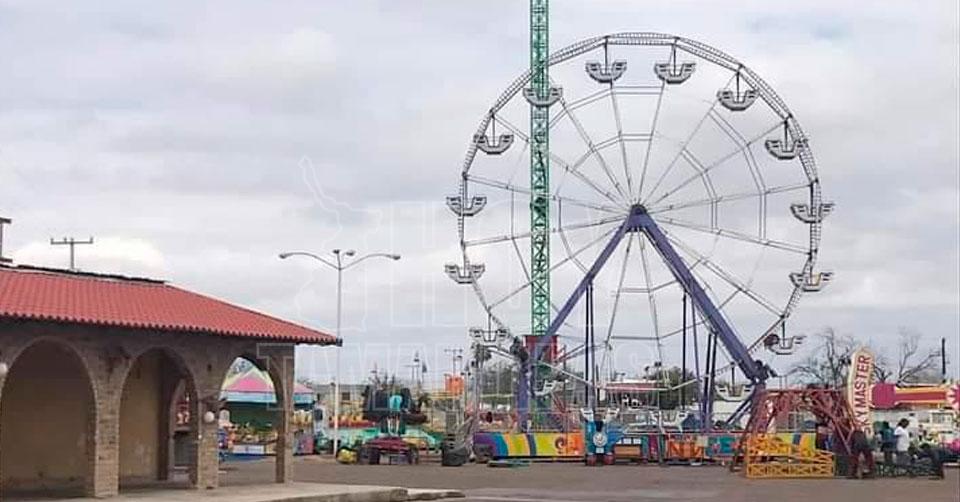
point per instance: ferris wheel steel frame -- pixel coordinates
(638, 219)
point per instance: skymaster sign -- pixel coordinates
(858, 388)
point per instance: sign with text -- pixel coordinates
(859, 379)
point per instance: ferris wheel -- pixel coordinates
(683, 194)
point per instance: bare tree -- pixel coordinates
(828, 362)
(913, 364)
(882, 372)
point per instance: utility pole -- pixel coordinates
(414, 370)
(73, 243)
(3, 221)
(343, 260)
(943, 356)
(456, 356)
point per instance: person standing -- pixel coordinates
(902, 442)
(860, 446)
(887, 443)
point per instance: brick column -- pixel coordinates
(107, 372)
(281, 362)
(205, 461)
(103, 447)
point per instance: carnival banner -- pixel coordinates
(652, 447)
(532, 445)
(859, 379)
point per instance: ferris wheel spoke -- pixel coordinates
(739, 139)
(513, 242)
(652, 298)
(616, 298)
(502, 185)
(730, 234)
(701, 322)
(566, 241)
(653, 133)
(683, 145)
(723, 274)
(718, 162)
(526, 235)
(720, 199)
(576, 104)
(595, 153)
(620, 90)
(623, 145)
(652, 289)
(561, 162)
(555, 266)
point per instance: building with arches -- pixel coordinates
(91, 366)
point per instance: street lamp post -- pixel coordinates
(339, 265)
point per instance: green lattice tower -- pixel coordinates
(539, 184)
(539, 171)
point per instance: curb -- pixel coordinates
(384, 495)
(425, 494)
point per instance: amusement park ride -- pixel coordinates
(662, 169)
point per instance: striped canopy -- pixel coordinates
(254, 386)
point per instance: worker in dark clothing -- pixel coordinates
(820, 438)
(936, 455)
(888, 444)
(860, 445)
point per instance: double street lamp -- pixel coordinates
(343, 260)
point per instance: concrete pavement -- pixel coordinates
(292, 492)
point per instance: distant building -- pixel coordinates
(934, 408)
(350, 394)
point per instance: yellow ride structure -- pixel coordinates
(768, 456)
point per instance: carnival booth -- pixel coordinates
(247, 422)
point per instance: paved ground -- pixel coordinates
(299, 492)
(179, 491)
(574, 482)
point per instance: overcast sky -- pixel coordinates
(195, 141)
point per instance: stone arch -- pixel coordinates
(154, 434)
(271, 363)
(48, 415)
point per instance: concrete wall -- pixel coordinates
(44, 420)
(140, 420)
(107, 355)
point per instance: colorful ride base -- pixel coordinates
(642, 447)
(694, 447)
(544, 445)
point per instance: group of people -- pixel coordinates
(898, 449)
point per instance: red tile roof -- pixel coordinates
(61, 296)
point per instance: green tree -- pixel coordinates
(674, 384)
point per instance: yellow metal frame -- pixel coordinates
(771, 457)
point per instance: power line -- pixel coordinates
(73, 243)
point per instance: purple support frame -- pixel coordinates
(640, 221)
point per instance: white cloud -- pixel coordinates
(108, 254)
(177, 143)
